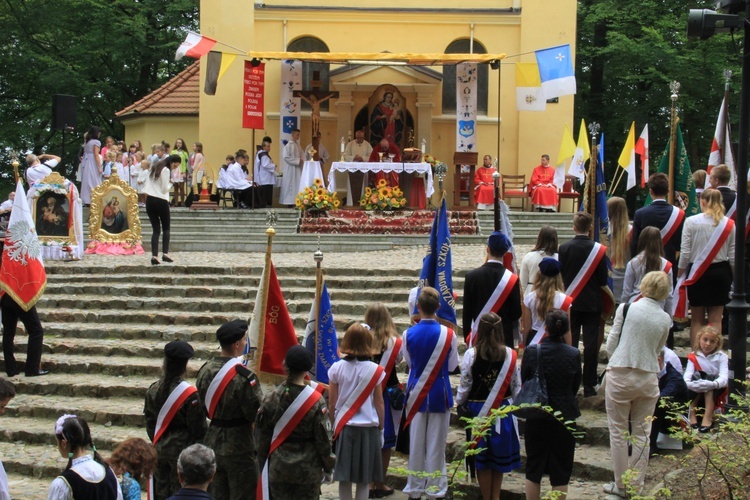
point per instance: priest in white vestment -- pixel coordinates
(292, 169)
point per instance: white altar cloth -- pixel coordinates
(366, 167)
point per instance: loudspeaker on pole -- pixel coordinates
(63, 112)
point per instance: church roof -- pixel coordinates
(179, 96)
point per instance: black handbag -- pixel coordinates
(396, 397)
(533, 392)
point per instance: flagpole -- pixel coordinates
(725, 112)
(674, 87)
(613, 188)
(264, 306)
(318, 256)
(591, 187)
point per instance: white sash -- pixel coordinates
(500, 387)
(562, 302)
(588, 268)
(699, 266)
(357, 398)
(219, 383)
(390, 355)
(286, 424)
(495, 302)
(431, 371)
(170, 407)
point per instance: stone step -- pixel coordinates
(115, 411)
(21, 486)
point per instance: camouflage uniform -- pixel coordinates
(296, 467)
(187, 427)
(230, 433)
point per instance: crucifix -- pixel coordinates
(315, 98)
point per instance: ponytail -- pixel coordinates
(75, 431)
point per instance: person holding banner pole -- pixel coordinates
(706, 265)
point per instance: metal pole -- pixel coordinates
(674, 87)
(738, 307)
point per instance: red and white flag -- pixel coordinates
(722, 143)
(195, 46)
(272, 334)
(22, 275)
(641, 149)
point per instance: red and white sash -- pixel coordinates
(357, 398)
(722, 399)
(598, 251)
(495, 302)
(666, 266)
(430, 373)
(675, 219)
(694, 359)
(499, 388)
(562, 302)
(219, 383)
(699, 266)
(388, 361)
(283, 428)
(169, 409)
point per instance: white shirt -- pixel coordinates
(264, 171)
(716, 363)
(529, 300)
(4, 492)
(88, 469)
(696, 232)
(530, 268)
(347, 375)
(236, 178)
(160, 187)
(355, 149)
(292, 154)
(6, 205)
(37, 173)
(222, 180)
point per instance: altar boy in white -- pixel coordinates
(292, 170)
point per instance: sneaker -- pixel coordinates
(612, 489)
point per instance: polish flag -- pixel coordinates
(641, 149)
(22, 274)
(722, 140)
(195, 46)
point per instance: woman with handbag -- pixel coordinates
(489, 379)
(632, 388)
(550, 446)
(387, 345)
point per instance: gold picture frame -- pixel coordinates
(51, 212)
(114, 212)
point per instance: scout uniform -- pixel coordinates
(232, 413)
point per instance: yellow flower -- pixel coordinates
(383, 191)
(397, 191)
(336, 203)
(318, 182)
(297, 203)
(403, 202)
(382, 183)
(320, 192)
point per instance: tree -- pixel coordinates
(107, 53)
(628, 52)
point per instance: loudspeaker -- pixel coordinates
(63, 111)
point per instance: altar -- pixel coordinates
(367, 167)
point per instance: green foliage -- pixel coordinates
(628, 52)
(107, 53)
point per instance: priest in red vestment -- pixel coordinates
(543, 189)
(386, 148)
(484, 190)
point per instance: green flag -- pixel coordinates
(684, 188)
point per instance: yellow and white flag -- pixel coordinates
(582, 153)
(627, 157)
(529, 94)
(567, 150)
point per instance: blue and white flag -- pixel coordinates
(289, 110)
(327, 348)
(437, 269)
(556, 71)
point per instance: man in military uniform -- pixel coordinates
(187, 426)
(232, 413)
(297, 466)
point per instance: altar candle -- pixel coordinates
(424, 145)
(343, 144)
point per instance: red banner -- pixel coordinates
(253, 95)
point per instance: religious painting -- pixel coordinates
(387, 115)
(114, 212)
(51, 204)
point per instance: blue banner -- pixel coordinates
(601, 215)
(328, 346)
(437, 269)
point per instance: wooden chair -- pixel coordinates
(568, 193)
(514, 186)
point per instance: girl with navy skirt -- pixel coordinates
(481, 366)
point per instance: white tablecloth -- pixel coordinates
(310, 171)
(348, 167)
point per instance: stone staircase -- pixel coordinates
(232, 230)
(106, 325)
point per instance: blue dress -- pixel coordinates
(131, 490)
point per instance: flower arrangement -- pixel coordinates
(316, 197)
(383, 197)
(434, 163)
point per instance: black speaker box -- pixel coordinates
(63, 111)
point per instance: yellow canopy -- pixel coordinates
(379, 58)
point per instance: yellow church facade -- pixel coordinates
(515, 28)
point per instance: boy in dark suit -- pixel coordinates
(587, 307)
(719, 179)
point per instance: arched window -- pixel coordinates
(311, 44)
(449, 77)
